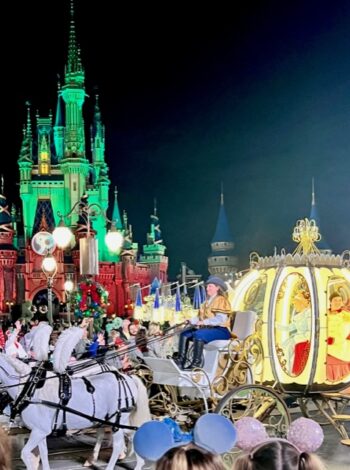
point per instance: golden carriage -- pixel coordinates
(292, 353)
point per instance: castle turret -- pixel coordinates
(222, 261)
(154, 250)
(74, 165)
(97, 131)
(25, 163)
(58, 129)
(8, 254)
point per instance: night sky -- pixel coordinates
(257, 98)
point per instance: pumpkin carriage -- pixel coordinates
(291, 353)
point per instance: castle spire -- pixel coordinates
(74, 69)
(97, 138)
(26, 152)
(58, 128)
(156, 233)
(221, 260)
(154, 250)
(59, 120)
(74, 164)
(116, 214)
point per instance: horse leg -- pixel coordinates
(44, 455)
(118, 447)
(92, 459)
(139, 462)
(35, 439)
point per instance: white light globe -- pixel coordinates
(114, 241)
(69, 285)
(49, 264)
(62, 235)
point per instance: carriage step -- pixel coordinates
(346, 442)
(13, 431)
(341, 417)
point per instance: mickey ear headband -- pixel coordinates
(217, 434)
(212, 432)
(304, 434)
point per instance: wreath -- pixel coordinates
(89, 300)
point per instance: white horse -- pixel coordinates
(107, 399)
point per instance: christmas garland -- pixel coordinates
(89, 300)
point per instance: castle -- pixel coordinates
(56, 169)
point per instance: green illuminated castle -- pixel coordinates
(56, 172)
(54, 169)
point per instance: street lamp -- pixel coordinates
(49, 268)
(87, 246)
(68, 287)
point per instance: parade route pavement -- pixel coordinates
(70, 452)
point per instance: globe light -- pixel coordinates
(49, 264)
(69, 285)
(62, 235)
(114, 239)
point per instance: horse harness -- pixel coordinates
(37, 379)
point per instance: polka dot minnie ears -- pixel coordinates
(218, 435)
(304, 434)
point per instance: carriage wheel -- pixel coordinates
(258, 402)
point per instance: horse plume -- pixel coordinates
(64, 347)
(40, 341)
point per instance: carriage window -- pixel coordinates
(255, 295)
(293, 324)
(338, 329)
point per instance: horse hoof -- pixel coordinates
(87, 463)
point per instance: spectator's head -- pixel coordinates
(134, 327)
(189, 457)
(294, 453)
(164, 442)
(277, 454)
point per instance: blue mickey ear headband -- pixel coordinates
(212, 432)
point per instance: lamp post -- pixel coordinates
(49, 268)
(88, 246)
(68, 287)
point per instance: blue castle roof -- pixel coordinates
(222, 232)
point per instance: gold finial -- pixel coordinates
(306, 234)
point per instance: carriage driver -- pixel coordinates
(213, 323)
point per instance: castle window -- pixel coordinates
(44, 169)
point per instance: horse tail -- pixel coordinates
(141, 413)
